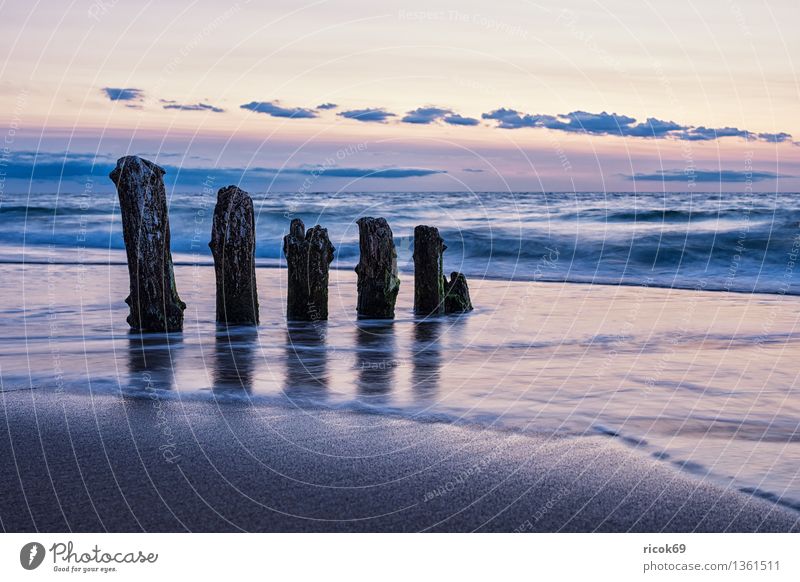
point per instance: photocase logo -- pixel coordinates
(31, 555)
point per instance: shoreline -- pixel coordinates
(407, 272)
(104, 463)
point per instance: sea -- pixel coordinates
(664, 321)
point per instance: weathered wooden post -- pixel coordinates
(457, 298)
(429, 282)
(308, 258)
(153, 299)
(378, 282)
(233, 244)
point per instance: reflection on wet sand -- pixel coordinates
(306, 360)
(426, 357)
(151, 360)
(376, 359)
(234, 359)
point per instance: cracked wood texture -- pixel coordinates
(429, 281)
(378, 282)
(233, 244)
(153, 299)
(308, 258)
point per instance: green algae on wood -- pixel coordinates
(457, 298)
(378, 283)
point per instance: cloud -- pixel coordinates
(192, 107)
(623, 125)
(371, 173)
(54, 165)
(775, 137)
(425, 115)
(579, 121)
(374, 115)
(595, 123)
(120, 94)
(576, 122)
(456, 119)
(705, 176)
(69, 166)
(711, 133)
(513, 119)
(273, 109)
(428, 115)
(653, 128)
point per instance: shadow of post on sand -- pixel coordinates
(376, 359)
(306, 360)
(151, 360)
(426, 357)
(234, 359)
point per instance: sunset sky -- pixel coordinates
(507, 95)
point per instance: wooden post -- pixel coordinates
(428, 272)
(378, 282)
(457, 298)
(233, 244)
(308, 258)
(153, 299)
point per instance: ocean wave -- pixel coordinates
(736, 242)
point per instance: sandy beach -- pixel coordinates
(551, 407)
(102, 463)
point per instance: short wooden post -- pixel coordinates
(428, 273)
(308, 258)
(457, 298)
(378, 282)
(233, 244)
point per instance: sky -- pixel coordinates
(310, 96)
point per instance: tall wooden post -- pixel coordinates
(153, 299)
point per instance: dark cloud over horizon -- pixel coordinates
(31, 165)
(731, 176)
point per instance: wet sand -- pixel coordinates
(72, 462)
(703, 382)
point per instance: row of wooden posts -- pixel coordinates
(156, 306)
